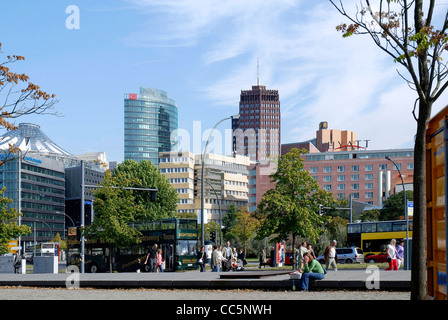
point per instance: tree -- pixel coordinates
(292, 206)
(19, 97)
(393, 208)
(245, 227)
(144, 174)
(8, 223)
(403, 31)
(114, 208)
(229, 220)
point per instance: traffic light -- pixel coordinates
(321, 210)
(213, 236)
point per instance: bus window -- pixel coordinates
(353, 228)
(368, 227)
(399, 226)
(168, 225)
(384, 227)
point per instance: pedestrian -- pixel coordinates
(301, 252)
(242, 257)
(201, 258)
(217, 259)
(400, 254)
(159, 259)
(311, 251)
(227, 257)
(262, 259)
(273, 260)
(152, 253)
(17, 263)
(331, 256)
(312, 270)
(392, 255)
(139, 265)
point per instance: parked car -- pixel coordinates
(376, 258)
(346, 255)
(289, 259)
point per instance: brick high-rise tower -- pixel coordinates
(256, 134)
(257, 131)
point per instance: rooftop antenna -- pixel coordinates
(258, 71)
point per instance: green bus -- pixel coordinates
(178, 239)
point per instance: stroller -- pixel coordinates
(237, 265)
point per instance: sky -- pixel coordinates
(203, 53)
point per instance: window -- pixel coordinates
(355, 177)
(341, 177)
(327, 178)
(369, 195)
(341, 186)
(327, 169)
(341, 168)
(313, 170)
(355, 186)
(369, 176)
(355, 168)
(369, 167)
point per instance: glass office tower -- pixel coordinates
(150, 119)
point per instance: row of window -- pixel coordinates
(355, 168)
(340, 178)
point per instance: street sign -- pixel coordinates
(410, 208)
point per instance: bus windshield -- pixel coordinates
(186, 247)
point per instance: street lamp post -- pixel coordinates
(202, 174)
(405, 213)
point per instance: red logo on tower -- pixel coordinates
(132, 96)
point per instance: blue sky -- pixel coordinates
(203, 53)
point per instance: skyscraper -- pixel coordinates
(257, 131)
(149, 121)
(256, 134)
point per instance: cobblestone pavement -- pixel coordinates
(27, 293)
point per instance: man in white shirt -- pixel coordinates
(331, 256)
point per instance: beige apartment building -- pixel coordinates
(225, 181)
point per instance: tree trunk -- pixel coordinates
(418, 273)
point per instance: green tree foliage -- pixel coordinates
(144, 174)
(9, 229)
(292, 206)
(393, 208)
(114, 208)
(246, 226)
(229, 221)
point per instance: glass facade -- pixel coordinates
(150, 118)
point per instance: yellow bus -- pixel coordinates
(373, 237)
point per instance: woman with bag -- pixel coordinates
(202, 258)
(392, 256)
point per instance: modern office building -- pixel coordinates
(150, 121)
(44, 181)
(256, 134)
(257, 131)
(225, 181)
(35, 181)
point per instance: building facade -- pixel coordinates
(256, 134)
(366, 176)
(150, 121)
(225, 181)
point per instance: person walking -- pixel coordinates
(392, 255)
(152, 252)
(17, 262)
(312, 270)
(331, 256)
(159, 259)
(201, 258)
(262, 259)
(217, 259)
(400, 254)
